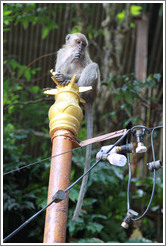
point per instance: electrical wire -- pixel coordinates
(128, 186)
(151, 198)
(82, 175)
(26, 222)
(129, 179)
(51, 157)
(37, 162)
(154, 177)
(118, 141)
(141, 126)
(40, 211)
(67, 189)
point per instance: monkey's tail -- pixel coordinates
(89, 122)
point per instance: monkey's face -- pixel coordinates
(77, 42)
(80, 45)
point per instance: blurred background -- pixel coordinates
(126, 40)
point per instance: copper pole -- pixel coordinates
(56, 214)
(65, 116)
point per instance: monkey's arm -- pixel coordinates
(62, 66)
(64, 60)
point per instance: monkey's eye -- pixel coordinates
(78, 41)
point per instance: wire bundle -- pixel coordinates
(129, 180)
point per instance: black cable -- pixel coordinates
(129, 179)
(40, 211)
(37, 162)
(119, 140)
(26, 223)
(154, 178)
(151, 198)
(128, 187)
(140, 126)
(67, 189)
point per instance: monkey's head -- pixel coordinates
(77, 41)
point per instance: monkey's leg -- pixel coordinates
(89, 77)
(89, 121)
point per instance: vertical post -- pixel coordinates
(65, 116)
(141, 48)
(56, 214)
(140, 72)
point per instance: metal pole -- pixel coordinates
(65, 116)
(56, 214)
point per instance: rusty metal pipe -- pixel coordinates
(56, 214)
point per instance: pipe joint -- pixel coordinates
(66, 113)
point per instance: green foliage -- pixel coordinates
(93, 33)
(25, 191)
(135, 10)
(121, 16)
(103, 210)
(76, 29)
(28, 13)
(89, 240)
(127, 91)
(91, 224)
(139, 240)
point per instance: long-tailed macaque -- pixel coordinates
(73, 58)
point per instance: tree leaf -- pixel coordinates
(6, 12)
(94, 227)
(27, 74)
(121, 16)
(90, 240)
(14, 64)
(73, 195)
(25, 23)
(135, 10)
(45, 32)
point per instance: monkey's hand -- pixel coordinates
(61, 78)
(76, 55)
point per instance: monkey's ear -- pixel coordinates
(67, 37)
(87, 43)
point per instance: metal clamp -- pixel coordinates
(59, 196)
